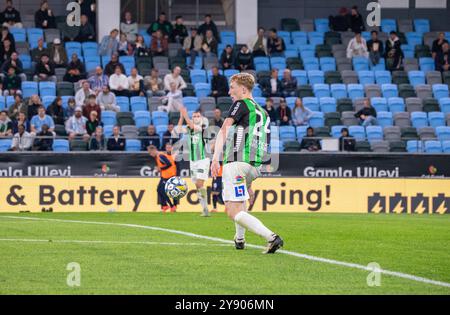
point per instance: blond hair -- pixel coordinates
(244, 79)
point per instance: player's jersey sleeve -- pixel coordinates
(238, 111)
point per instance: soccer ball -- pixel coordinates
(176, 188)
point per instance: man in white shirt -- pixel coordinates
(136, 83)
(173, 99)
(118, 83)
(357, 47)
(83, 94)
(22, 141)
(175, 77)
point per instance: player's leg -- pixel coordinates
(201, 176)
(162, 195)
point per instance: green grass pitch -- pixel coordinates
(131, 260)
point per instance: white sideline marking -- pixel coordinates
(223, 241)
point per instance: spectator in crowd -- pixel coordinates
(227, 58)
(41, 119)
(109, 44)
(375, 48)
(98, 141)
(270, 109)
(151, 138)
(302, 114)
(179, 32)
(129, 27)
(76, 125)
(140, 49)
(271, 86)
(6, 35)
(341, 22)
(5, 125)
(258, 45)
(310, 142)
(170, 136)
(20, 120)
(43, 140)
(125, 48)
(110, 68)
(12, 83)
(58, 54)
(176, 77)
(44, 17)
(107, 100)
(88, 8)
(210, 44)
(442, 60)
(393, 52)
(118, 82)
(83, 94)
(98, 81)
(346, 142)
(56, 111)
(288, 84)
(22, 140)
(219, 84)
(93, 122)
(367, 115)
(40, 50)
(14, 62)
(162, 25)
(284, 113)
(6, 51)
(75, 70)
(208, 25)
(192, 46)
(173, 100)
(45, 70)
(11, 17)
(437, 44)
(357, 21)
(160, 44)
(71, 106)
(117, 142)
(275, 44)
(244, 59)
(153, 84)
(357, 47)
(92, 106)
(87, 31)
(218, 120)
(17, 107)
(33, 106)
(136, 83)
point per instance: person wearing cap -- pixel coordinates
(76, 125)
(37, 52)
(192, 46)
(58, 54)
(44, 17)
(227, 58)
(45, 70)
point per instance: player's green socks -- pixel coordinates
(253, 224)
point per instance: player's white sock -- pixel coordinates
(202, 198)
(240, 232)
(253, 224)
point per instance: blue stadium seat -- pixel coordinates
(419, 119)
(380, 66)
(228, 38)
(379, 103)
(316, 38)
(191, 103)
(312, 103)
(198, 76)
(91, 62)
(389, 90)
(388, 25)
(358, 132)
(315, 77)
(321, 90)
(276, 146)
(374, 133)
(2, 103)
(384, 119)
(355, 91)
(291, 53)
(48, 100)
(128, 63)
(416, 77)
(396, 104)
(142, 118)
(443, 133)
(285, 35)
(138, 103)
(202, 90)
(327, 104)
(301, 132)
(73, 47)
(366, 77)
(307, 51)
(47, 89)
(9, 101)
(65, 99)
(257, 92)
(317, 120)
(160, 118)
(426, 64)
(105, 60)
(299, 38)
(29, 88)
(108, 118)
(311, 63)
(278, 63)
(288, 133)
(290, 101)
(89, 49)
(327, 64)
(414, 38)
(61, 145)
(5, 145)
(421, 25)
(26, 61)
(436, 119)
(446, 146)
(336, 131)
(414, 146)
(440, 91)
(360, 63)
(108, 130)
(444, 103)
(261, 64)
(338, 90)
(124, 103)
(408, 51)
(321, 25)
(34, 34)
(432, 146)
(133, 145)
(230, 72)
(383, 77)
(301, 76)
(19, 34)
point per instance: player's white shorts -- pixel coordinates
(200, 169)
(236, 178)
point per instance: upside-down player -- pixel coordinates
(242, 161)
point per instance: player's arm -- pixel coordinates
(179, 128)
(165, 161)
(218, 148)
